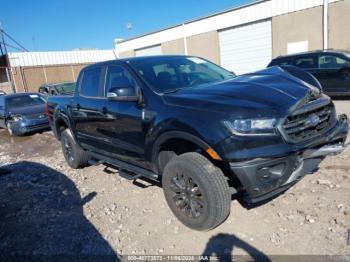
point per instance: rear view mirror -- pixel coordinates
(127, 93)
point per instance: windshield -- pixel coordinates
(168, 74)
(24, 101)
(66, 88)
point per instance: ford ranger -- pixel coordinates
(205, 133)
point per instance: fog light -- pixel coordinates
(271, 173)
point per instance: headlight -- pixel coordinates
(252, 126)
(17, 118)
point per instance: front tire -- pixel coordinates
(12, 129)
(75, 156)
(196, 191)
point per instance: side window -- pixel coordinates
(285, 62)
(2, 103)
(331, 62)
(118, 76)
(306, 62)
(90, 83)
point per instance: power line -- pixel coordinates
(14, 47)
(25, 49)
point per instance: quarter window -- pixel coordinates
(91, 82)
(331, 62)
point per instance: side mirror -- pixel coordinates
(126, 93)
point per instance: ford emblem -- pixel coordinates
(312, 120)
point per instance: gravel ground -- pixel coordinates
(48, 208)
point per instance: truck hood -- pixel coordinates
(269, 92)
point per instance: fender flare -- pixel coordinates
(58, 117)
(176, 135)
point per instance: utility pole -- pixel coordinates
(8, 66)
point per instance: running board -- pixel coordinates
(137, 171)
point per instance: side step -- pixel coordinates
(128, 176)
(135, 171)
(94, 162)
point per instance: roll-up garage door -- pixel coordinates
(246, 48)
(147, 51)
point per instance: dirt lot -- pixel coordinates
(48, 208)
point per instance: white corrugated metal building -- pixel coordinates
(247, 37)
(29, 70)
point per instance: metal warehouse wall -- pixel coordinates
(32, 69)
(28, 79)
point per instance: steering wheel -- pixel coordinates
(198, 79)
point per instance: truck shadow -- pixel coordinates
(41, 214)
(222, 246)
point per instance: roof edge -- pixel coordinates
(254, 2)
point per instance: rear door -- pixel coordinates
(87, 108)
(334, 73)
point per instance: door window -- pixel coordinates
(2, 103)
(91, 82)
(118, 76)
(306, 62)
(283, 62)
(331, 62)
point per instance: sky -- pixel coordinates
(60, 25)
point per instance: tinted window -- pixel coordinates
(285, 62)
(91, 82)
(331, 61)
(2, 102)
(117, 76)
(65, 88)
(306, 62)
(23, 101)
(167, 74)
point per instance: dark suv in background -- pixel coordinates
(55, 89)
(331, 68)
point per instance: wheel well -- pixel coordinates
(181, 146)
(60, 127)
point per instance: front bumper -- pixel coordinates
(263, 178)
(26, 126)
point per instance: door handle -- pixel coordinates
(78, 106)
(104, 110)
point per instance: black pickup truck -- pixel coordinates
(205, 133)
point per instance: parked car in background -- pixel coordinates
(2, 93)
(205, 133)
(22, 113)
(54, 89)
(331, 68)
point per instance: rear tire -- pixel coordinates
(75, 156)
(196, 191)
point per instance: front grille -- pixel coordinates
(309, 124)
(37, 116)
